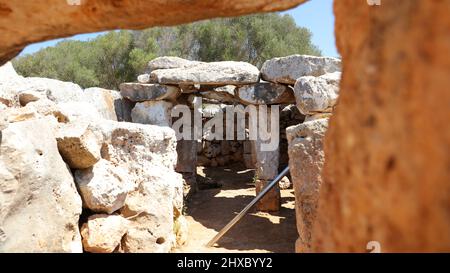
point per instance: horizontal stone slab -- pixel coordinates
(140, 92)
(216, 73)
(168, 62)
(288, 69)
(266, 93)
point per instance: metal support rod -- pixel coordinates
(247, 208)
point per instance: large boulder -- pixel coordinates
(317, 94)
(39, 204)
(150, 209)
(8, 75)
(307, 160)
(103, 187)
(140, 92)
(103, 233)
(265, 93)
(215, 73)
(109, 103)
(288, 69)
(148, 154)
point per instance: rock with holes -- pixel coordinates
(265, 93)
(288, 69)
(306, 146)
(104, 186)
(8, 79)
(79, 144)
(148, 155)
(139, 92)
(153, 112)
(168, 62)
(150, 209)
(40, 206)
(317, 94)
(102, 233)
(215, 73)
(34, 110)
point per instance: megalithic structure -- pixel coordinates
(241, 214)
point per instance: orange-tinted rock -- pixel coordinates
(25, 22)
(387, 167)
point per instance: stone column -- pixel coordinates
(306, 148)
(266, 169)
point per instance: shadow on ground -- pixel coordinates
(210, 210)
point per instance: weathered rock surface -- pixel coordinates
(109, 103)
(8, 74)
(386, 176)
(102, 233)
(306, 164)
(139, 92)
(266, 93)
(288, 69)
(153, 112)
(187, 156)
(148, 155)
(224, 94)
(317, 94)
(271, 202)
(152, 205)
(144, 78)
(169, 62)
(215, 73)
(103, 187)
(79, 145)
(39, 204)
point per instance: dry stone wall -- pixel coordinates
(67, 161)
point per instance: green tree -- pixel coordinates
(119, 56)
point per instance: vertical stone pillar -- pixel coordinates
(153, 112)
(307, 160)
(266, 169)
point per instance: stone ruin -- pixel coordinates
(310, 83)
(115, 174)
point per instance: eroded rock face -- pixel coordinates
(139, 92)
(265, 93)
(168, 62)
(306, 164)
(214, 73)
(97, 15)
(317, 94)
(79, 145)
(103, 187)
(386, 176)
(153, 112)
(288, 69)
(102, 233)
(39, 204)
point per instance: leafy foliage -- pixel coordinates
(119, 56)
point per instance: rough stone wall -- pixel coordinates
(387, 168)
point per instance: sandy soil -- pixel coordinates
(211, 209)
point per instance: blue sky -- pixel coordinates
(315, 15)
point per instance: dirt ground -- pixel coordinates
(211, 209)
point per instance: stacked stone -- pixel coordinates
(64, 153)
(316, 88)
(173, 80)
